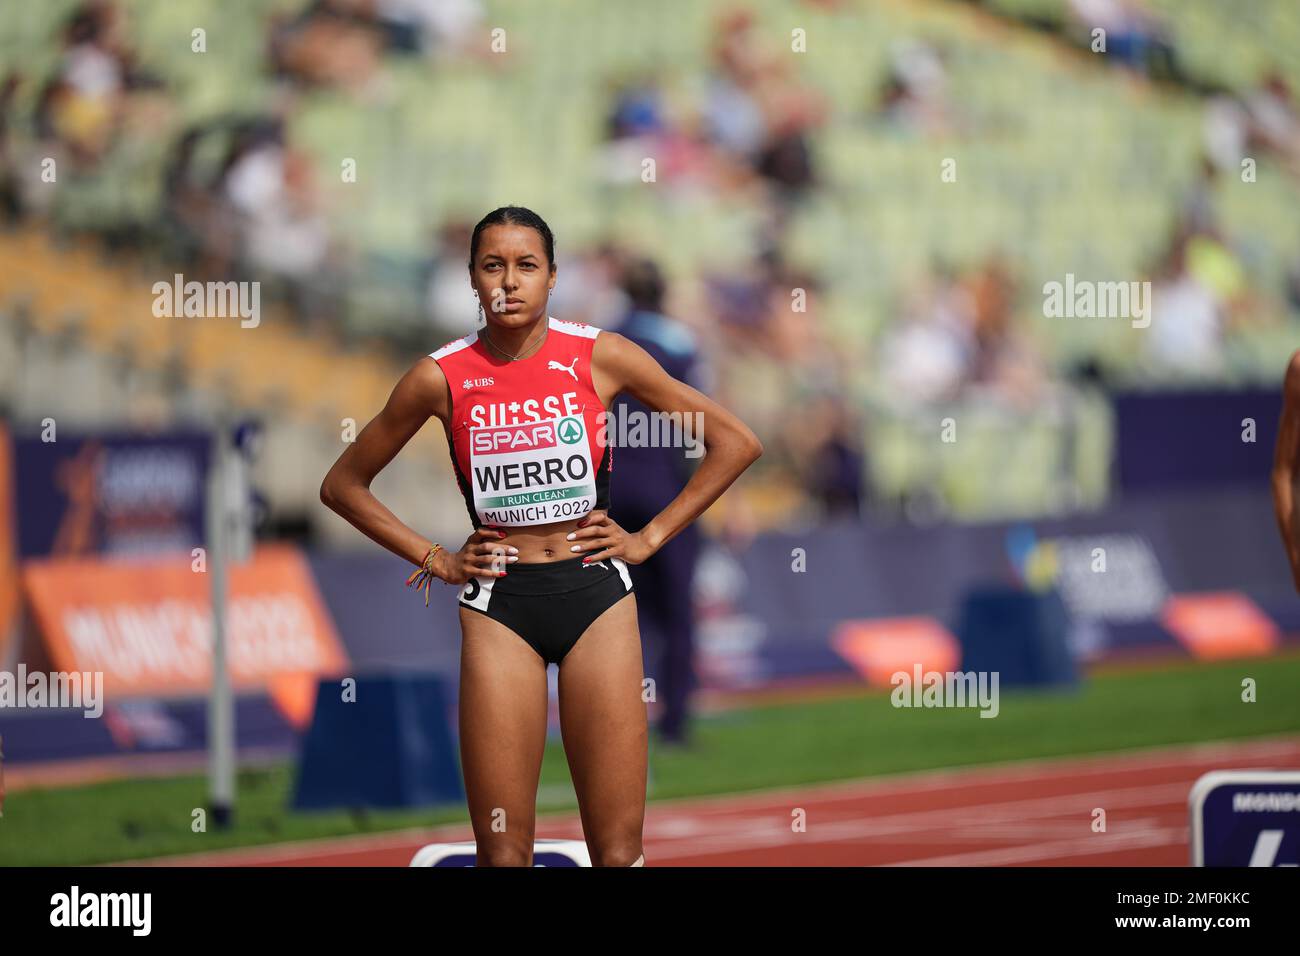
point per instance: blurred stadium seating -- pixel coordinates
(1065, 165)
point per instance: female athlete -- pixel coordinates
(544, 575)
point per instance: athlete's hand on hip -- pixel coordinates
(483, 554)
(598, 536)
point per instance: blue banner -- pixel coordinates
(110, 494)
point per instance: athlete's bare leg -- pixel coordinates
(502, 737)
(603, 722)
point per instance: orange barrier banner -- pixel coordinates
(1220, 625)
(147, 625)
(881, 647)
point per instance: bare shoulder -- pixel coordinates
(620, 357)
(424, 388)
(608, 346)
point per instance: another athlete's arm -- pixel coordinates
(730, 446)
(419, 395)
(1285, 464)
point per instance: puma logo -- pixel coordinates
(592, 564)
(564, 368)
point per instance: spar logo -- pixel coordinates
(531, 437)
(500, 441)
(570, 431)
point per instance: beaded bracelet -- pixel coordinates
(422, 577)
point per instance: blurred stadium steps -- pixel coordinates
(84, 325)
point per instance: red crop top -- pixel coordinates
(527, 437)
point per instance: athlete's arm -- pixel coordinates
(1285, 464)
(730, 446)
(420, 394)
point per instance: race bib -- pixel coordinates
(534, 473)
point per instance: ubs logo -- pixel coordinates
(477, 382)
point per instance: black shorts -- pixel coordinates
(550, 603)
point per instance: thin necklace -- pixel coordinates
(487, 336)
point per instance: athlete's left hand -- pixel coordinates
(601, 532)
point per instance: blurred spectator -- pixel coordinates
(819, 435)
(1186, 321)
(189, 209)
(1214, 263)
(1293, 285)
(330, 43)
(1135, 37)
(750, 129)
(80, 106)
(649, 478)
(1003, 362)
(738, 297)
(1275, 120)
(1262, 122)
(731, 113)
(1225, 131)
(638, 110)
(587, 287)
(929, 354)
(785, 159)
(957, 338)
(445, 28)
(1198, 213)
(638, 126)
(792, 385)
(760, 113)
(270, 201)
(452, 302)
(10, 187)
(830, 438)
(914, 96)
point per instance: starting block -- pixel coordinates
(1246, 818)
(545, 853)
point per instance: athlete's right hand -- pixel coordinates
(483, 554)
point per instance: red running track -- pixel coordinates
(1029, 813)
